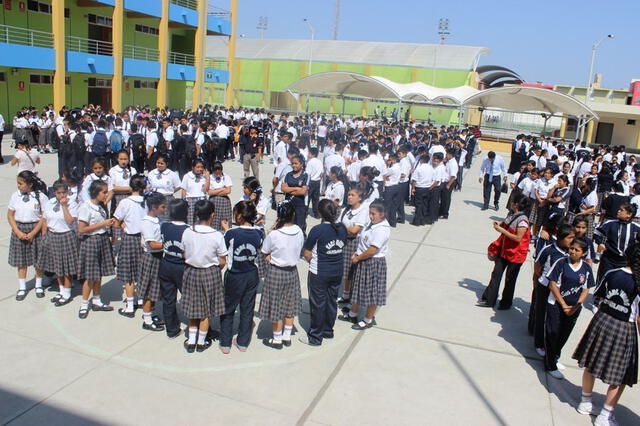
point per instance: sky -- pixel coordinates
(546, 41)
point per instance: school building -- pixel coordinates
(108, 52)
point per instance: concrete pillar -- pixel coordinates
(118, 57)
(231, 55)
(200, 47)
(163, 57)
(57, 24)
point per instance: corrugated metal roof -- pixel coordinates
(352, 52)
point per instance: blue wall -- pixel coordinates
(181, 72)
(139, 68)
(109, 2)
(212, 75)
(147, 7)
(89, 63)
(183, 15)
(21, 56)
(218, 25)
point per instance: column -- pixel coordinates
(638, 139)
(57, 24)
(590, 127)
(117, 37)
(163, 56)
(231, 55)
(563, 127)
(200, 53)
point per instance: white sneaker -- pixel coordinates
(585, 408)
(556, 374)
(541, 351)
(604, 420)
(560, 366)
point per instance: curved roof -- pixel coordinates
(519, 98)
(490, 74)
(352, 52)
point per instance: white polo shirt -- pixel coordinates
(193, 185)
(118, 174)
(131, 211)
(84, 195)
(54, 215)
(166, 183)
(284, 245)
(92, 214)
(335, 192)
(314, 169)
(424, 176)
(28, 211)
(375, 235)
(223, 181)
(203, 245)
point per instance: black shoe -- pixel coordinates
(483, 304)
(504, 307)
(124, 313)
(496, 206)
(55, 298)
(484, 208)
(61, 302)
(202, 348)
(101, 308)
(152, 327)
(174, 335)
(157, 320)
(347, 318)
(83, 313)
(362, 325)
(20, 295)
(327, 336)
(39, 292)
(190, 348)
(270, 343)
(343, 300)
(287, 343)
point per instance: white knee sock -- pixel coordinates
(193, 335)
(65, 292)
(287, 332)
(22, 284)
(38, 282)
(202, 335)
(277, 337)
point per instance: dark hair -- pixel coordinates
(300, 158)
(328, 210)
(492, 154)
(60, 184)
(522, 202)
(98, 160)
(580, 219)
(36, 184)
(254, 186)
(196, 161)
(204, 209)
(369, 172)
(123, 151)
(286, 213)
(154, 199)
(178, 210)
(217, 166)
(564, 178)
(564, 231)
(582, 243)
(314, 151)
(633, 261)
(630, 208)
(378, 205)
(247, 210)
(96, 187)
(163, 157)
(138, 183)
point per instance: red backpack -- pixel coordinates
(510, 250)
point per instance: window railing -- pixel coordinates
(215, 63)
(182, 58)
(87, 45)
(189, 4)
(141, 53)
(219, 12)
(26, 37)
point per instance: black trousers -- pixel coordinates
(323, 293)
(170, 275)
(239, 291)
(434, 204)
(458, 184)
(1, 136)
(490, 294)
(445, 199)
(404, 198)
(392, 199)
(609, 261)
(489, 183)
(540, 311)
(558, 327)
(301, 214)
(423, 201)
(314, 196)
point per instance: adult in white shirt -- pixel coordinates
(492, 172)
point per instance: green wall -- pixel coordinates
(176, 93)
(12, 99)
(137, 96)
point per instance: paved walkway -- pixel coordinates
(434, 358)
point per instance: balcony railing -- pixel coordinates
(219, 12)
(26, 37)
(189, 4)
(182, 58)
(87, 45)
(215, 63)
(141, 53)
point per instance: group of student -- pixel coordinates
(556, 207)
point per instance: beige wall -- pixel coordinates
(623, 134)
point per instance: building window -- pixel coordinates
(631, 122)
(36, 6)
(99, 82)
(145, 29)
(67, 13)
(3, 75)
(40, 79)
(67, 81)
(145, 84)
(103, 21)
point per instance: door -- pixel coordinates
(100, 33)
(100, 96)
(604, 133)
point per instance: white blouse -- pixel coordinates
(166, 182)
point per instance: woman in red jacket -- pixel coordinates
(511, 254)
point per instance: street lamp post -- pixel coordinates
(594, 47)
(313, 35)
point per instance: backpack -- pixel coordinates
(54, 140)
(78, 147)
(116, 141)
(523, 149)
(138, 146)
(162, 146)
(100, 143)
(209, 145)
(189, 146)
(65, 147)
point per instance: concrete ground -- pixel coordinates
(434, 357)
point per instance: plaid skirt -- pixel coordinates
(223, 211)
(24, 253)
(369, 286)
(609, 350)
(261, 263)
(281, 295)
(96, 258)
(59, 253)
(202, 292)
(191, 201)
(348, 252)
(149, 284)
(117, 232)
(129, 257)
(537, 215)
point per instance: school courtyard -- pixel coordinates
(433, 358)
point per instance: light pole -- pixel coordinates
(263, 23)
(313, 35)
(594, 47)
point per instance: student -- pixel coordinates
(635, 200)
(252, 191)
(369, 286)
(194, 187)
(557, 197)
(59, 251)
(423, 184)
(323, 249)
(368, 174)
(120, 175)
(353, 170)
(26, 158)
(164, 181)
(614, 238)
(580, 225)
(314, 170)
(99, 174)
(541, 192)
(220, 185)
(171, 267)
(451, 168)
(337, 186)
(281, 294)
(392, 195)
(569, 281)
(586, 206)
(612, 202)
(152, 244)
(406, 168)
(205, 255)
(24, 215)
(295, 188)
(241, 277)
(95, 254)
(608, 350)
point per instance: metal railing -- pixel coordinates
(219, 12)
(182, 58)
(26, 37)
(141, 53)
(87, 45)
(215, 63)
(190, 4)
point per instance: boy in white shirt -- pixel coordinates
(314, 170)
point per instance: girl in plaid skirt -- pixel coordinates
(59, 252)
(99, 173)
(281, 294)
(24, 216)
(149, 283)
(219, 189)
(164, 181)
(128, 216)
(120, 175)
(608, 349)
(252, 191)
(194, 187)
(95, 254)
(205, 255)
(370, 275)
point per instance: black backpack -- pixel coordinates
(78, 147)
(189, 146)
(138, 146)
(209, 145)
(162, 146)
(65, 147)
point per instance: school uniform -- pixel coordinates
(240, 283)
(609, 346)
(222, 204)
(298, 201)
(202, 288)
(392, 193)
(571, 281)
(451, 171)
(560, 207)
(193, 184)
(617, 236)
(95, 253)
(425, 177)
(353, 172)
(170, 273)
(59, 250)
(131, 212)
(610, 205)
(350, 218)
(314, 170)
(86, 183)
(166, 183)
(335, 192)
(538, 212)
(148, 282)
(326, 242)
(369, 285)
(405, 176)
(28, 209)
(120, 177)
(281, 295)
(280, 173)
(492, 172)
(586, 202)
